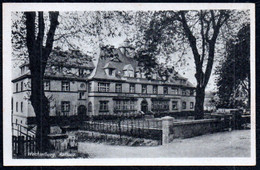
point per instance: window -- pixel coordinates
(118, 88)
(132, 88)
(117, 105)
(191, 92)
(89, 107)
(132, 105)
(21, 86)
(89, 87)
(187, 92)
(191, 105)
(21, 106)
(144, 89)
(165, 90)
(175, 91)
(155, 89)
(46, 85)
(103, 87)
(110, 71)
(65, 106)
(160, 105)
(65, 86)
(16, 106)
(174, 105)
(82, 85)
(184, 92)
(12, 105)
(81, 71)
(16, 87)
(103, 106)
(128, 71)
(125, 105)
(82, 95)
(183, 105)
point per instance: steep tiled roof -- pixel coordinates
(72, 58)
(110, 65)
(117, 60)
(69, 61)
(110, 61)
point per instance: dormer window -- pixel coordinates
(110, 69)
(183, 81)
(138, 75)
(128, 70)
(22, 70)
(81, 71)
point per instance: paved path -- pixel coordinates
(223, 144)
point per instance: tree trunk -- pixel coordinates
(38, 56)
(199, 105)
(40, 105)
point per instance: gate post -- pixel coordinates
(167, 122)
(20, 145)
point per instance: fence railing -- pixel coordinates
(20, 130)
(23, 140)
(23, 145)
(133, 128)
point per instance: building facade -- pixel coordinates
(115, 85)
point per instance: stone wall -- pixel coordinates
(172, 129)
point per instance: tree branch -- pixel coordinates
(191, 38)
(39, 40)
(30, 35)
(203, 37)
(50, 36)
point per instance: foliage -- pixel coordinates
(234, 72)
(201, 33)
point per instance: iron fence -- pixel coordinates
(148, 129)
(23, 140)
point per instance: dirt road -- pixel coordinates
(224, 144)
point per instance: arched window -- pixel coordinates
(89, 107)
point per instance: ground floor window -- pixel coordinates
(191, 105)
(183, 105)
(89, 107)
(132, 105)
(174, 105)
(16, 107)
(125, 105)
(65, 107)
(103, 106)
(21, 106)
(160, 105)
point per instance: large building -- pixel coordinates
(115, 84)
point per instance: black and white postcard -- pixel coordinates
(129, 84)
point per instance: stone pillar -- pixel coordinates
(167, 121)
